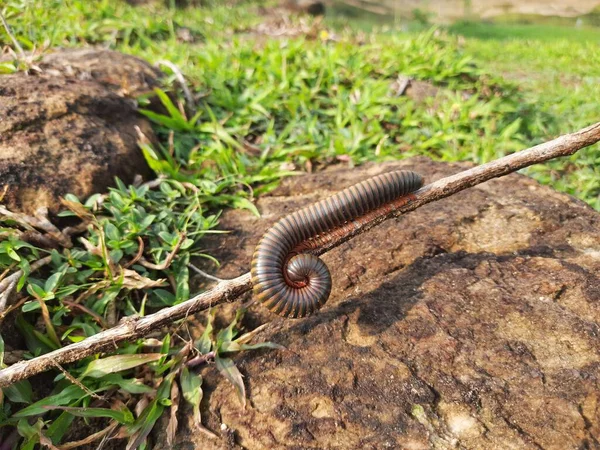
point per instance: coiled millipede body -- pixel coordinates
(291, 281)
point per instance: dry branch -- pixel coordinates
(133, 328)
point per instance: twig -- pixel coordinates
(189, 98)
(136, 327)
(201, 359)
(155, 182)
(6, 311)
(6, 294)
(75, 229)
(138, 255)
(40, 222)
(97, 317)
(76, 382)
(38, 239)
(10, 282)
(204, 274)
(7, 270)
(167, 262)
(91, 438)
(12, 36)
(127, 330)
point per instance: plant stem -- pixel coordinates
(12, 36)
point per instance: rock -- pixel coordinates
(71, 130)
(472, 322)
(124, 74)
(60, 136)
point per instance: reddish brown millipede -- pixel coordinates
(291, 281)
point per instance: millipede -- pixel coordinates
(287, 277)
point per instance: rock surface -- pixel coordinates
(124, 74)
(70, 130)
(472, 322)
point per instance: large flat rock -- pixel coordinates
(472, 322)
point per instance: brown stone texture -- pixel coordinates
(470, 323)
(124, 74)
(68, 132)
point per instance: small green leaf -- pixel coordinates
(92, 199)
(131, 385)
(29, 431)
(182, 279)
(165, 297)
(11, 252)
(164, 389)
(112, 232)
(164, 349)
(19, 392)
(118, 363)
(144, 424)
(70, 394)
(231, 372)
(46, 340)
(65, 291)
(7, 67)
(204, 344)
(244, 203)
(52, 282)
(187, 243)
(171, 108)
(146, 221)
(229, 333)
(26, 268)
(168, 238)
(35, 290)
(72, 198)
(59, 427)
(191, 387)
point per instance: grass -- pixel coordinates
(267, 108)
(520, 31)
(562, 78)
